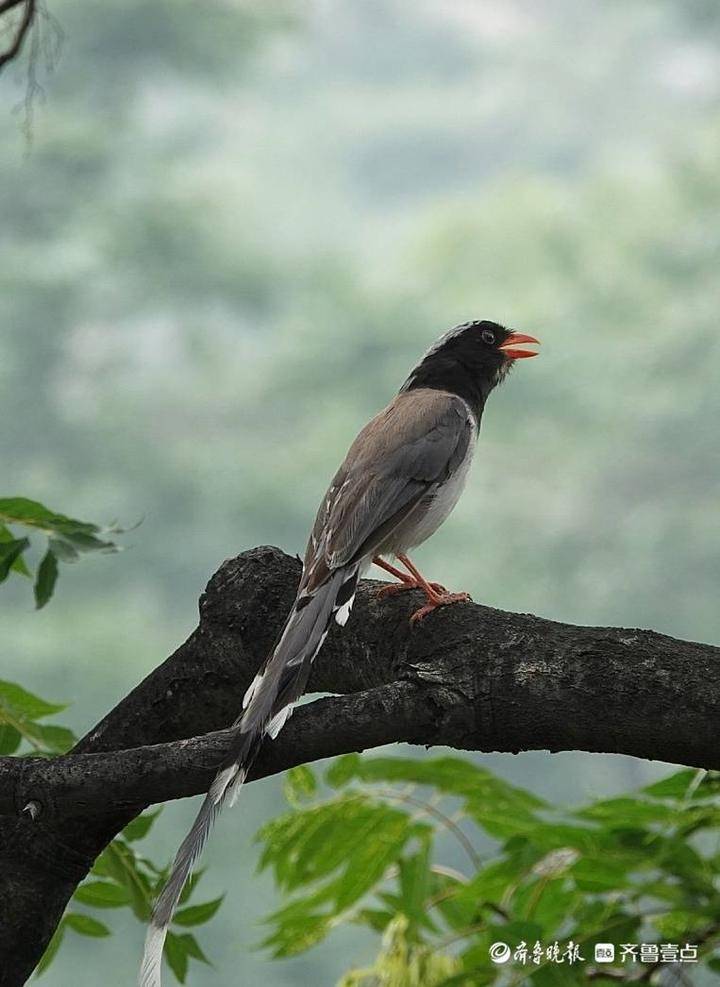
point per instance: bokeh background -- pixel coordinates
(237, 226)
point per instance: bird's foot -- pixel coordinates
(392, 589)
(442, 599)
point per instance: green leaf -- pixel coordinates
(369, 861)
(77, 536)
(19, 564)
(192, 948)
(677, 857)
(662, 890)
(488, 886)
(178, 948)
(547, 902)
(102, 894)
(453, 775)
(9, 739)
(626, 811)
(458, 911)
(502, 809)
(85, 925)
(118, 861)
(311, 843)
(351, 842)
(598, 874)
(63, 550)
(198, 914)
(376, 919)
(21, 510)
(414, 885)
(299, 783)
(83, 542)
(10, 552)
(24, 702)
(343, 770)
(67, 539)
(608, 921)
(46, 578)
(560, 874)
(58, 740)
(190, 885)
(177, 956)
(678, 925)
(675, 786)
(140, 827)
(298, 934)
(51, 951)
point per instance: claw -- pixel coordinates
(392, 589)
(444, 599)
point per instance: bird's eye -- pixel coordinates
(488, 337)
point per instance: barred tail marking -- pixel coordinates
(267, 705)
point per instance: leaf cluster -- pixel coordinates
(122, 876)
(67, 540)
(367, 847)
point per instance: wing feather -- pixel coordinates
(410, 448)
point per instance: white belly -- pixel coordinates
(433, 510)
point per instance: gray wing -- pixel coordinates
(411, 447)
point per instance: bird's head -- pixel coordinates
(470, 360)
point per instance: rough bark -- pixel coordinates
(469, 677)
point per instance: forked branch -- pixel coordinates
(468, 677)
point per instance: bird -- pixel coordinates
(399, 481)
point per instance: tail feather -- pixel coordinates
(266, 707)
(225, 786)
(304, 634)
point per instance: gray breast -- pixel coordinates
(433, 509)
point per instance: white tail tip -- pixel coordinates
(150, 972)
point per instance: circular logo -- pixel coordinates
(499, 952)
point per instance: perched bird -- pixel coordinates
(399, 481)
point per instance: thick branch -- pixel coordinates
(469, 677)
(80, 785)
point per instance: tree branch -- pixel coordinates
(8, 5)
(469, 677)
(22, 29)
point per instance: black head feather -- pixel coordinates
(465, 361)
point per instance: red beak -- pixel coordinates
(508, 347)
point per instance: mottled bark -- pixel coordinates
(468, 677)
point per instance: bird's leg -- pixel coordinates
(437, 596)
(406, 581)
(398, 573)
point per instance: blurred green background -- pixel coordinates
(236, 229)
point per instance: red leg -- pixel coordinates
(437, 596)
(402, 576)
(406, 582)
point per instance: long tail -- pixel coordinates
(266, 707)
